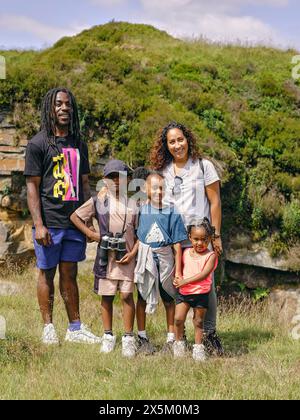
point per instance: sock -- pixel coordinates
(171, 337)
(75, 326)
(129, 334)
(108, 333)
(143, 334)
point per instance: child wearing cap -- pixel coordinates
(116, 256)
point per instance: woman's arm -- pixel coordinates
(213, 194)
(89, 233)
(201, 276)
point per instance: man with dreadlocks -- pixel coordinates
(56, 171)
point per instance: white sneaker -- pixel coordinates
(49, 335)
(108, 343)
(84, 335)
(199, 353)
(179, 349)
(129, 347)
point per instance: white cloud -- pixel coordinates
(222, 28)
(45, 33)
(206, 6)
(216, 20)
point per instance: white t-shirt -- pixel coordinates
(188, 193)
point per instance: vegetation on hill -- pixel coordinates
(130, 80)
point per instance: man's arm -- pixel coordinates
(42, 234)
(214, 197)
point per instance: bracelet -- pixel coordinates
(217, 236)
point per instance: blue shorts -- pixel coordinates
(68, 245)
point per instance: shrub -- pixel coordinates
(291, 220)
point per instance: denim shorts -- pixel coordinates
(68, 245)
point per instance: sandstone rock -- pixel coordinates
(4, 232)
(254, 276)
(5, 182)
(9, 164)
(6, 202)
(7, 137)
(16, 243)
(257, 256)
(3, 249)
(11, 149)
(287, 302)
(9, 289)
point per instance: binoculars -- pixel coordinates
(112, 243)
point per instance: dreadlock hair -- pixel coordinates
(48, 118)
(205, 223)
(160, 156)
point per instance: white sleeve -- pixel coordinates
(210, 174)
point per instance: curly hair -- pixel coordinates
(160, 156)
(205, 223)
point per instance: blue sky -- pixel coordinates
(33, 23)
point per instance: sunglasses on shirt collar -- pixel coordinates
(177, 187)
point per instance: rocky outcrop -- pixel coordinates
(287, 303)
(16, 245)
(9, 289)
(252, 265)
(15, 228)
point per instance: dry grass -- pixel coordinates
(262, 362)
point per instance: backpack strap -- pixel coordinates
(202, 166)
(102, 214)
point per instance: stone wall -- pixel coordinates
(15, 225)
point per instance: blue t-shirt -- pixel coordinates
(160, 227)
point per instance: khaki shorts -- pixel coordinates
(111, 287)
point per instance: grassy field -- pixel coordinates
(262, 362)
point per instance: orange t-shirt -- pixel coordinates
(192, 266)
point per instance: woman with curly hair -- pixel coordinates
(193, 186)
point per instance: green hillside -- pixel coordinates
(130, 80)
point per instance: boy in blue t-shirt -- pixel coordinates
(162, 229)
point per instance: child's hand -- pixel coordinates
(93, 236)
(126, 259)
(178, 280)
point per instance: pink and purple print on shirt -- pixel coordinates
(66, 172)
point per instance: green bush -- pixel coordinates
(130, 80)
(291, 220)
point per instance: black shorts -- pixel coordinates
(195, 301)
(163, 294)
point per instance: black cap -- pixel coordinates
(115, 166)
